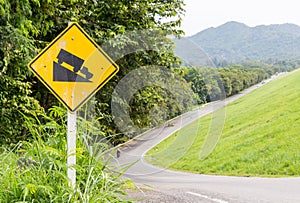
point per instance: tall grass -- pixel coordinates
(36, 171)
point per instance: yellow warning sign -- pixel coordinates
(73, 67)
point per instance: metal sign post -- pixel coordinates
(71, 147)
(71, 142)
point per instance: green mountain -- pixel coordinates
(235, 42)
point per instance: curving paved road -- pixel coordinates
(171, 186)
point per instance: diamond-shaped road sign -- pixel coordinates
(73, 67)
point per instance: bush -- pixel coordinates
(36, 171)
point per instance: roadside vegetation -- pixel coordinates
(210, 84)
(259, 138)
(36, 171)
(28, 26)
(33, 123)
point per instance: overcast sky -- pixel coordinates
(202, 14)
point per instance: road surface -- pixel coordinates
(163, 185)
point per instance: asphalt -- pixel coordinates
(162, 185)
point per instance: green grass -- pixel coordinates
(36, 171)
(261, 136)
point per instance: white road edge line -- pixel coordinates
(207, 197)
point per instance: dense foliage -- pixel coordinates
(208, 83)
(28, 26)
(36, 171)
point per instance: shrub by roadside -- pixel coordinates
(36, 171)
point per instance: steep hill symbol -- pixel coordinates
(62, 74)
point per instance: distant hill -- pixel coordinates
(235, 42)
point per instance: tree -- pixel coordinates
(28, 26)
(195, 78)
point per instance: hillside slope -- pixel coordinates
(236, 42)
(260, 136)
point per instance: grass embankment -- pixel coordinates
(261, 135)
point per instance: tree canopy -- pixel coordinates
(26, 27)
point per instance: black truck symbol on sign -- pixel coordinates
(62, 74)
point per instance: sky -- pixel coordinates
(203, 14)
